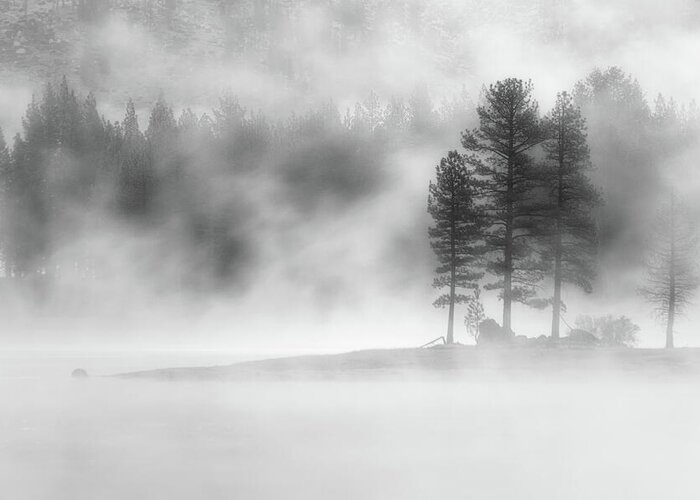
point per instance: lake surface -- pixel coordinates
(105, 438)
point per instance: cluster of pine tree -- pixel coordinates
(196, 185)
(502, 209)
(519, 203)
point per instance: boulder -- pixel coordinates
(79, 373)
(521, 340)
(581, 337)
(542, 340)
(491, 332)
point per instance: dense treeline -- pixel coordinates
(200, 187)
(529, 184)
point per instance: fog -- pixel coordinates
(377, 290)
(578, 437)
(292, 146)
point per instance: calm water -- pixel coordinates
(129, 439)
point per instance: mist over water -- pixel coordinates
(574, 438)
(296, 144)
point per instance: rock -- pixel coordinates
(79, 373)
(521, 340)
(491, 332)
(581, 337)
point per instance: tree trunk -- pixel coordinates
(669, 325)
(672, 282)
(508, 254)
(507, 289)
(556, 303)
(451, 319)
(453, 272)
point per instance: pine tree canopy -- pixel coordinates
(458, 226)
(509, 127)
(572, 238)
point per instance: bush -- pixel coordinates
(609, 329)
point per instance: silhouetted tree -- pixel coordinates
(571, 246)
(136, 176)
(29, 231)
(4, 162)
(509, 126)
(164, 145)
(671, 269)
(5, 206)
(456, 235)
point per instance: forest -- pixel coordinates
(532, 203)
(192, 195)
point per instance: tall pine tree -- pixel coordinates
(136, 177)
(456, 235)
(571, 245)
(5, 205)
(509, 127)
(672, 275)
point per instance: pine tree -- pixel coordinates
(163, 155)
(5, 204)
(68, 117)
(4, 161)
(455, 237)
(130, 125)
(671, 270)
(136, 178)
(161, 124)
(30, 228)
(228, 126)
(94, 144)
(571, 246)
(509, 128)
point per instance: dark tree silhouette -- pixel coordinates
(571, 246)
(509, 126)
(671, 270)
(456, 235)
(5, 206)
(136, 176)
(29, 231)
(181, 184)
